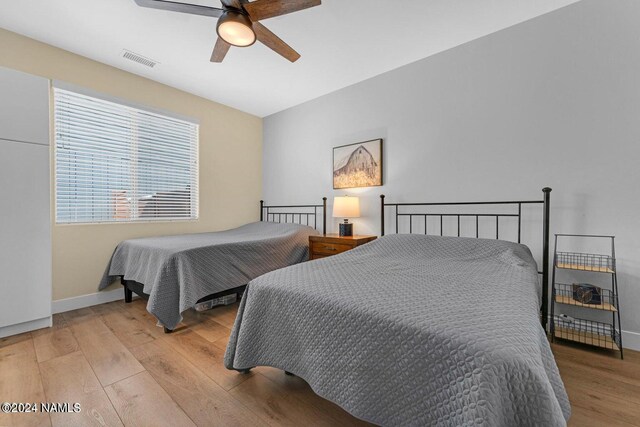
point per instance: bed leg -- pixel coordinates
(244, 371)
(128, 294)
(167, 330)
(289, 374)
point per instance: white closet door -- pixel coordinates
(24, 107)
(25, 237)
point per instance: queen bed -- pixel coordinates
(176, 272)
(413, 329)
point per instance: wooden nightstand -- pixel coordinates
(331, 244)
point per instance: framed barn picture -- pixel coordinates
(358, 165)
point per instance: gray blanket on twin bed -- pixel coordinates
(179, 270)
(410, 330)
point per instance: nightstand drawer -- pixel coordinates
(332, 244)
(329, 248)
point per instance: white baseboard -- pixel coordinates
(74, 303)
(20, 328)
(631, 340)
(62, 305)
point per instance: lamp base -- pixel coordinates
(346, 229)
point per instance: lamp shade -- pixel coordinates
(236, 29)
(346, 207)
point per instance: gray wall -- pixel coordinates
(554, 101)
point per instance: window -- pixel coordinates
(115, 163)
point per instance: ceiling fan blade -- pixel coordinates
(172, 6)
(236, 4)
(220, 50)
(263, 9)
(274, 42)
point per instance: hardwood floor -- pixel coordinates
(124, 370)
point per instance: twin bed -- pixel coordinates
(176, 272)
(408, 329)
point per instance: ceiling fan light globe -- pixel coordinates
(236, 29)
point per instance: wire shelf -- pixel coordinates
(580, 295)
(585, 262)
(586, 332)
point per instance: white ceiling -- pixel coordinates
(342, 42)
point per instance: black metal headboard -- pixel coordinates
(515, 205)
(282, 215)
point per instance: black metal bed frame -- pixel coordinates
(131, 287)
(265, 210)
(545, 202)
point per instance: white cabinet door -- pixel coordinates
(24, 107)
(25, 236)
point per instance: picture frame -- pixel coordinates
(357, 165)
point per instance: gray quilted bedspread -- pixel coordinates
(410, 330)
(179, 270)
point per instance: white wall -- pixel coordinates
(554, 101)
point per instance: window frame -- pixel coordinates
(195, 203)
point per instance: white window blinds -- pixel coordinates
(115, 163)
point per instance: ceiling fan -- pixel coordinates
(238, 22)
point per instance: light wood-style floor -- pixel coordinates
(124, 370)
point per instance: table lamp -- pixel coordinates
(346, 207)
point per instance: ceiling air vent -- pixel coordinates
(131, 56)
